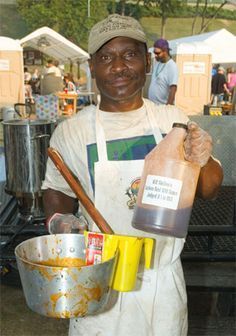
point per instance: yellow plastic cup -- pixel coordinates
(129, 253)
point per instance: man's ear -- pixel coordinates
(148, 62)
(91, 67)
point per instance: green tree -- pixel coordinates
(205, 23)
(69, 18)
(201, 11)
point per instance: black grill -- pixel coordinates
(217, 212)
(212, 228)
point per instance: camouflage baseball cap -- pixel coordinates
(113, 26)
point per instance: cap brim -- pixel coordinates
(109, 36)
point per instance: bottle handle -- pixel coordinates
(148, 247)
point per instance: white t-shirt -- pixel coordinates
(53, 70)
(164, 75)
(128, 137)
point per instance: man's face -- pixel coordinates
(119, 68)
(159, 54)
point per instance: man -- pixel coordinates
(59, 68)
(164, 79)
(51, 68)
(105, 146)
(219, 86)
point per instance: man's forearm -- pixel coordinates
(55, 201)
(210, 179)
(171, 97)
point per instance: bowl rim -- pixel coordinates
(35, 264)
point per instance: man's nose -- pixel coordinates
(118, 64)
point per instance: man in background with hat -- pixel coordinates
(219, 86)
(164, 79)
(105, 147)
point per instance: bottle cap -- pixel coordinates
(180, 125)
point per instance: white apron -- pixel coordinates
(158, 306)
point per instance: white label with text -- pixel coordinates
(162, 191)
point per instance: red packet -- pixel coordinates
(95, 242)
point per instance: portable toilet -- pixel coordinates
(194, 62)
(11, 72)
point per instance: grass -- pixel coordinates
(181, 27)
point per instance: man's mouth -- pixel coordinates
(120, 81)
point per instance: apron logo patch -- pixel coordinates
(132, 193)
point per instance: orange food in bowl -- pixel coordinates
(63, 262)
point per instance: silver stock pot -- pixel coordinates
(62, 291)
(25, 143)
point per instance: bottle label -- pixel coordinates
(94, 248)
(162, 191)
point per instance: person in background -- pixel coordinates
(69, 82)
(52, 69)
(27, 75)
(35, 75)
(27, 86)
(214, 69)
(105, 147)
(28, 92)
(35, 82)
(69, 86)
(57, 65)
(164, 79)
(219, 86)
(231, 79)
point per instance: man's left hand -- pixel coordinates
(66, 223)
(197, 145)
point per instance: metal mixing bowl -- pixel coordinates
(58, 291)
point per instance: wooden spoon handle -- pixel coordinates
(76, 186)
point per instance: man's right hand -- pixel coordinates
(66, 223)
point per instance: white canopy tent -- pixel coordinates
(55, 45)
(58, 47)
(221, 44)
